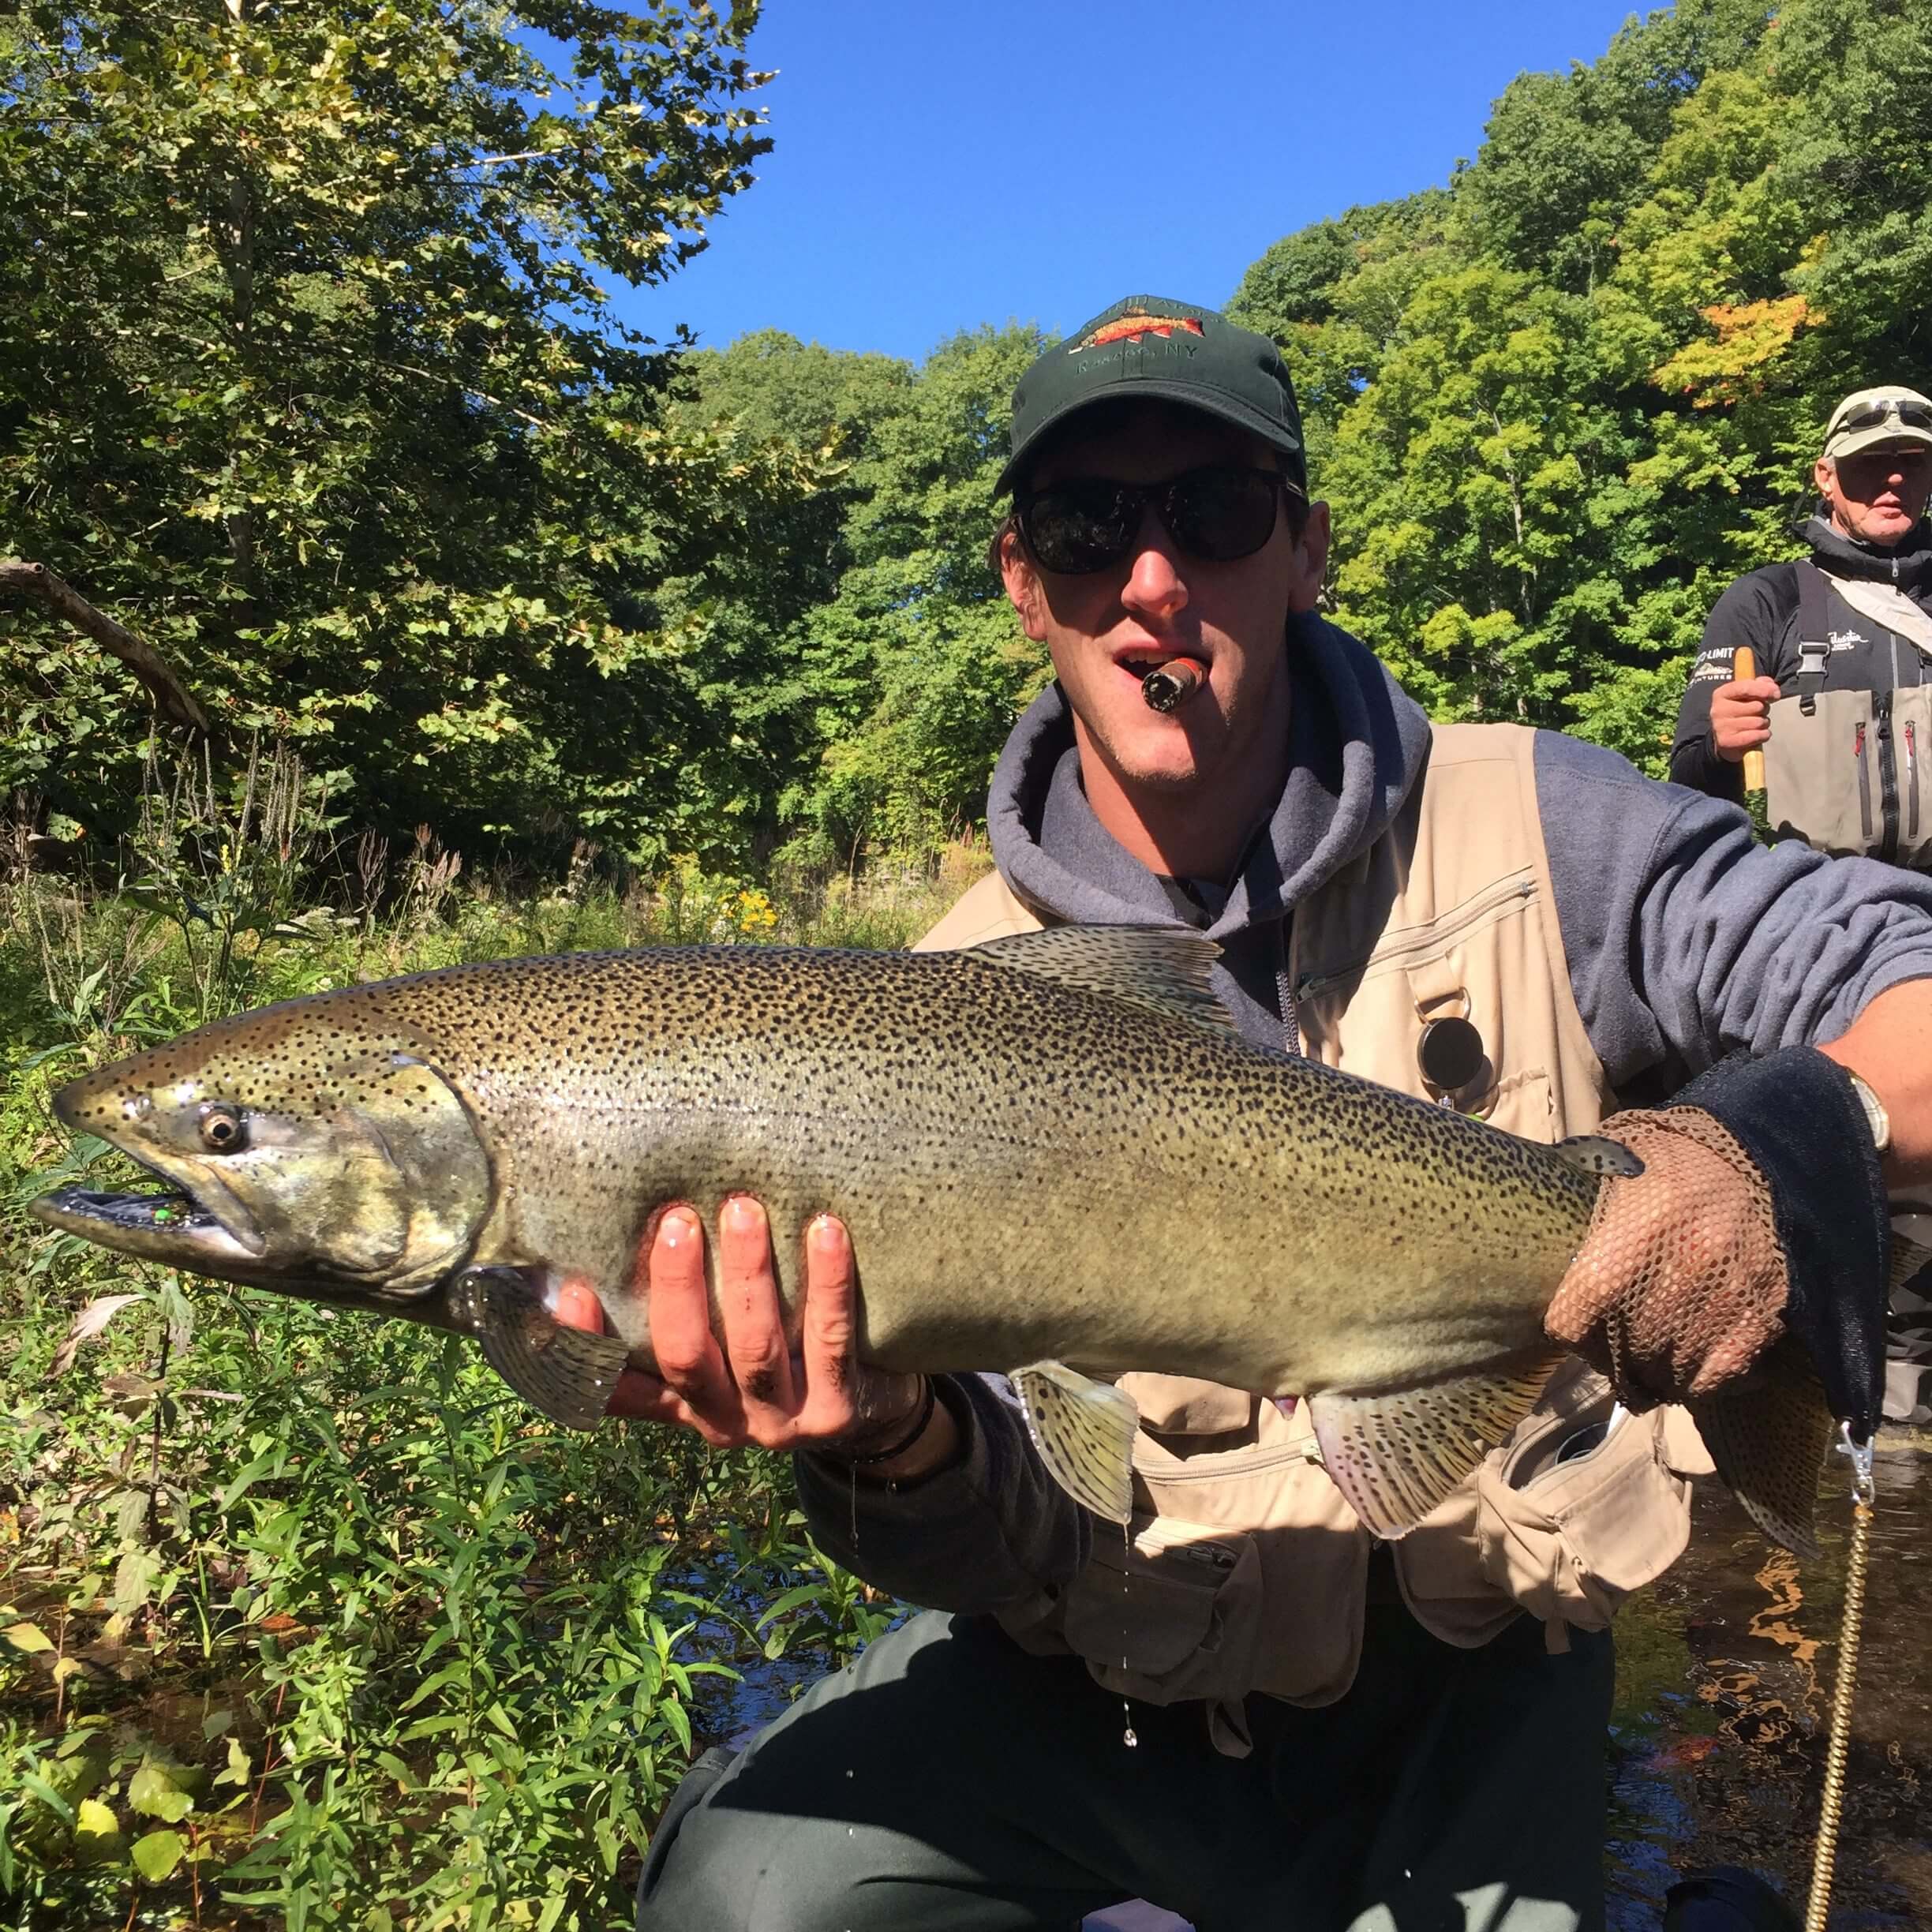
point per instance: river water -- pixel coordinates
(1726, 1672)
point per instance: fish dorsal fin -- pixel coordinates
(1769, 1433)
(1396, 1456)
(567, 1373)
(1163, 968)
(1597, 1154)
(1084, 1432)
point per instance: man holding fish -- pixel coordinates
(1245, 1707)
(1335, 1422)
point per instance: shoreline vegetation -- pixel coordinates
(305, 1618)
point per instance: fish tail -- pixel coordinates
(1769, 1433)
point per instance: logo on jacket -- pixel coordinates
(1132, 327)
(1844, 640)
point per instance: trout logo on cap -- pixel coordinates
(1131, 327)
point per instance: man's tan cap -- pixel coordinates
(1869, 417)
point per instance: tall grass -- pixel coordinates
(306, 1619)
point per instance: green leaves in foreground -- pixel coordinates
(400, 1651)
(303, 1619)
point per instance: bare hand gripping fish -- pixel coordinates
(1054, 1156)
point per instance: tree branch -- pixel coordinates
(170, 695)
(456, 382)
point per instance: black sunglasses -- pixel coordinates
(1915, 415)
(1219, 513)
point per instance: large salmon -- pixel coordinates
(1055, 1157)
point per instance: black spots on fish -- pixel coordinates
(944, 1079)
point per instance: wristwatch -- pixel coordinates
(1875, 1116)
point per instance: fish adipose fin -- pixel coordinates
(1769, 1433)
(1084, 1432)
(1159, 967)
(568, 1373)
(1398, 1455)
(1597, 1154)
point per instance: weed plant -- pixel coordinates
(305, 1618)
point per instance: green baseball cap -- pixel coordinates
(1148, 347)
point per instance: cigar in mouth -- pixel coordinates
(1169, 686)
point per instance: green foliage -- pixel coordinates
(875, 672)
(304, 1619)
(314, 388)
(1558, 406)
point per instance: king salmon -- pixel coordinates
(1055, 1157)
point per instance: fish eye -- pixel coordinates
(224, 1129)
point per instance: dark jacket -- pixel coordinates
(1761, 610)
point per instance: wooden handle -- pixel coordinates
(1744, 665)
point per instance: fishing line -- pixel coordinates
(1831, 1806)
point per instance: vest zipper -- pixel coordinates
(1222, 1463)
(1864, 785)
(1911, 782)
(1427, 937)
(1887, 779)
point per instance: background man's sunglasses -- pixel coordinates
(1916, 415)
(1219, 513)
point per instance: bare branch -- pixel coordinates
(170, 695)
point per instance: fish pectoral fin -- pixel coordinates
(1768, 1432)
(567, 1373)
(1163, 968)
(1597, 1154)
(1398, 1455)
(1084, 1432)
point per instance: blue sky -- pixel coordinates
(939, 164)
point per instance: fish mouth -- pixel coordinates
(167, 1224)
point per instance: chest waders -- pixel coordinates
(1846, 771)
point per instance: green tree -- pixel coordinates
(1564, 155)
(915, 670)
(1558, 406)
(1334, 296)
(305, 371)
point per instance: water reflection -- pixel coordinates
(1724, 1678)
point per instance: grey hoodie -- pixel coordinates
(1687, 941)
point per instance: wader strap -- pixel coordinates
(1814, 635)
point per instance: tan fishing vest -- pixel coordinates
(1243, 1569)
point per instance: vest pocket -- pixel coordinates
(1821, 771)
(1245, 1572)
(1582, 1509)
(1484, 961)
(1844, 772)
(1174, 1614)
